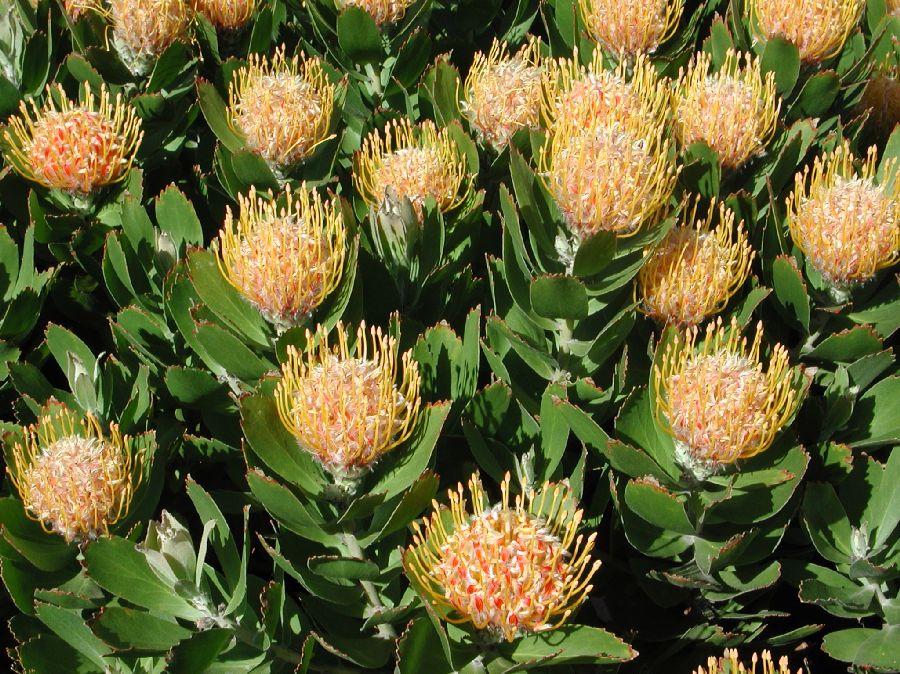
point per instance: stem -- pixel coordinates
(386, 631)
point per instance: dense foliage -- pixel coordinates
(450, 335)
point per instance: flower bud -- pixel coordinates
(881, 98)
(818, 28)
(629, 28)
(144, 29)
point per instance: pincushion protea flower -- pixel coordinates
(144, 29)
(818, 28)
(411, 162)
(511, 569)
(75, 147)
(282, 106)
(734, 111)
(893, 6)
(382, 11)
(715, 400)
(226, 14)
(344, 403)
(502, 93)
(629, 28)
(608, 175)
(73, 479)
(577, 94)
(730, 664)
(695, 270)
(284, 259)
(846, 224)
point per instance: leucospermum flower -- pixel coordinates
(346, 404)
(695, 270)
(515, 568)
(846, 223)
(382, 11)
(818, 28)
(502, 93)
(629, 28)
(282, 106)
(632, 93)
(731, 664)
(716, 401)
(144, 29)
(74, 479)
(893, 7)
(75, 147)
(411, 162)
(607, 175)
(226, 14)
(284, 259)
(734, 110)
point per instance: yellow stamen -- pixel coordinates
(730, 664)
(629, 28)
(226, 14)
(382, 11)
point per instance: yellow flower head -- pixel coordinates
(629, 28)
(73, 479)
(76, 147)
(382, 11)
(734, 111)
(695, 270)
(715, 400)
(502, 93)
(574, 94)
(281, 106)
(411, 162)
(511, 569)
(608, 175)
(226, 14)
(729, 664)
(144, 29)
(284, 259)
(882, 98)
(846, 224)
(344, 403)
(893, 6)
(818, 28)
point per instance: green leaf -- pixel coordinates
(69, 626)
(414, 500)
(847, 346)
(200, 651)
(127, 628)
(885, 502)
(866, 647)
(344, 568)
(197, 388)
(358, 36)
(215, 112)
(276, 447)
(782, 58)
(220, 537)
(569, 645)
(48, 654)
(231, 353)
(876, 416)
(790, 289)
(562, 297)
(658, 506)
(818, 94)
(826, 522)
(594, 254)
(287, 508)
(176, 216)
(118, 567)
(47, 552)
(419, 650)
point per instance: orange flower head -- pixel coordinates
(73, 479)
(284, 259)
(226, 14)
(818, 28)
(282, 107)
(734, 111)
(144, 29)
(846, 223)
(715, 400)
(629, 28)
(574, 94)
(608, 175)
(696, 269)
(518, 567)
(414, 163)
(893, 7)
(75, 147)
(382, 11)
(730, 664)
(502, 93)
(344, 403)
